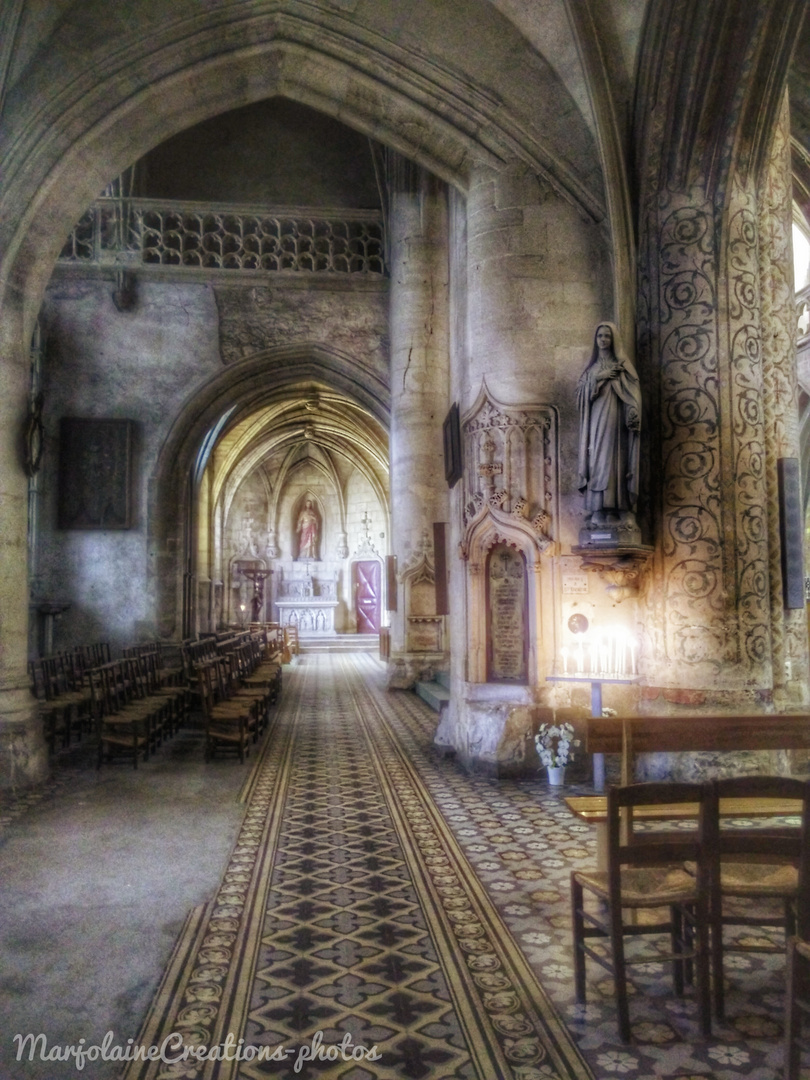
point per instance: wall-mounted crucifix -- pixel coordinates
(258, 576)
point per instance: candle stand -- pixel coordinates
(596, 680)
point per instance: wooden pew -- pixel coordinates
(631, 735)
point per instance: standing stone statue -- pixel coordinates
(609, 403)
(307, 529)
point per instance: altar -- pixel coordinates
(308, 603)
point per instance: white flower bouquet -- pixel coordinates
(554, 744)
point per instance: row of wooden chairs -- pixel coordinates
(133, 703)
(133, 708)
(697, 879)
(59, 683)
(237, 690)
(168, 658)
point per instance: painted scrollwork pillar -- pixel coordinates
(716, 331)
(418, 259)
(791, 671)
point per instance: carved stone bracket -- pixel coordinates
(622, 566)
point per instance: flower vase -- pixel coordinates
(556, 776)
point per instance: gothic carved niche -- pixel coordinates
(510, 469)
(424, 628)
(308, 529)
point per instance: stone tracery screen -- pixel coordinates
(507, 616)
(160, 233)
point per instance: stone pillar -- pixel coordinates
(717, 334)
(707, 618)
(418, 259)
(530, 281)
(23, 754)
(791, 672)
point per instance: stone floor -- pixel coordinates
(100, 872)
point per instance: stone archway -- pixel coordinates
(237, 392)
(105, 107)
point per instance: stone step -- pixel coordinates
(433, 694)
(339, 643)
(443, 679)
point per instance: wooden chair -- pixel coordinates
(797, 1005)
(233, 688)
(176, 697)
(646, 871)
(767, 865)
(257, 673)
(122, 729)
(229, 724)
(291, 645)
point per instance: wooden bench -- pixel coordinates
(631, 735)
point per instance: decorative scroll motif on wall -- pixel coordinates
(782, 440)
(690, 434)
(221, 238)
(509, 469)
(715, 609)
(748, 431)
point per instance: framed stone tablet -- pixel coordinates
(95, 473)
(507, 616)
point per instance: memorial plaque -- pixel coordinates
(424, 635)
(507, 637)
(791, 530)
(575, 584)
(95, 462)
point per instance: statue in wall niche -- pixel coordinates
(307, 529)
(609, 403)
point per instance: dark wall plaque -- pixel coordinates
(507, 616)
(95, 467)
(451, 431)
(791, 528)
(390, 583)
(440, 568)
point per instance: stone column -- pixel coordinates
(530, 281)
(418, 259)
(718, 330)
(791, 672)
(707, 617)
(23, 754)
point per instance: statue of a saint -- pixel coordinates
(307, 529)
(609, 402)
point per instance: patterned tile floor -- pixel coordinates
(523, 842)
(344, 940)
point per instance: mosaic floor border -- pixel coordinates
(347, 902)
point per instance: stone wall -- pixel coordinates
(147, 364)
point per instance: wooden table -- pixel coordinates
(593, 809)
